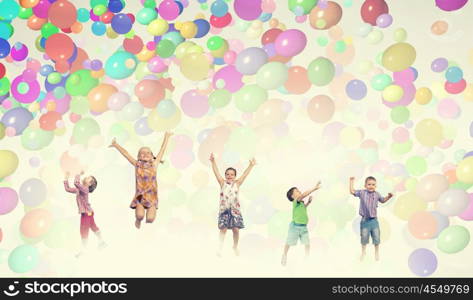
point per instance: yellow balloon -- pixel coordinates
(195, 49)
(398, 57)
(195, 66)
(468, 92)
(221, 51)
(188, 30)
(423, 95)
(111, 34)
(400, 35)
(465, 170)
(407, 204)
(9, 163)
(393, 93)
(158, 27)
(158, 123)
(429, 132)
(145, 54)
(181, 49)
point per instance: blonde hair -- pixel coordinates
(154, 157)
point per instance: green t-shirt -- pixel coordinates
(299, 213)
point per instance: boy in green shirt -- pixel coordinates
(298, 226)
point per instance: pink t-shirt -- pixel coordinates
(82, 195)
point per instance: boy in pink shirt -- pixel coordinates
(87, 221)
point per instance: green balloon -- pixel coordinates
(23, 259)
(461, 185)
(340, 47)
(401, 148)
(84, 129)
(4, 86)
(250, 97)
(219, 98)
(79, 105)
(214, 43)
(400, 114)
(36, 139)
(146, 15)
(322, 41)
(302, 6)
(99, 9)
(321, 71)
(150, 4)
(416, 165)
(453, 239)
(80, 83)
(25, 13)
(381, 81)
(165, 48)
(48, 30)
(54, 78)
(272, 75)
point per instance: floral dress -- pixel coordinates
(146, 186)
(229, 211)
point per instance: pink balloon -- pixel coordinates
(450, 5)
(229, 57)
(409, 94)
(467, 215)
(248, 10)
(405, 77)
(182, 142)
(168, 10)
(30, 95)
(62, 105)
(230, 76)
(194, 105)
(8, 200)
(157, 65)
(181, 159)
(41, 9)
(290, 42)
(448, 108)
(400, 135)
(268, 6)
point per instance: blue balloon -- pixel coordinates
(356, 89)
(416, 73)
(83, 15)
(203, 27)
(120, 65)
(99, 28)
(50, 87)
(115, 6)
(45, 70)
(42, 42)
(4, 48)
(18, 118)
(180, 5)
(121, 23)
(265, 17)
(142, 128)
(219, 8)
(219, 61)
(454, 74)
(9, 9)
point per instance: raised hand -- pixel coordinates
(252, 162)
(168, 134)
(114, 143)
(390, 195)
(67, 176)
(81, 172)
(212, 157)
(318, 185)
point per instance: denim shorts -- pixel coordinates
(369, 226)
(297, 232)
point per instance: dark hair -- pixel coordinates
(161, 161)
(369, 178)
(233, 169)
(93, 184)
(289, 193)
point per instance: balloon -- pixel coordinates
(325, 17)
(188, 30)
(118, 100)
(321, 71)
(450, 5)
(384, 20)
(453, 239)
(62, 14)
(400, 114)
(36, 223)
(219, 98)
(166, 108)
(250, 60)
(398, 57)
(416, 165)
(23, 258)
(380, 82)
(454, 74)
(302, 6)
(356, 89)
(120, 65)
(271, 75)
(168, 10)
(131, 111)
(142, 128)
(448, 108)
(195, 66)
(194, 104)
(49, 120)
(464, 170)
(270, 36)
(146, 15)
(158, 123)
(250, 97)
(431, 186)
(133, 45)
(17, 118)
(59, 46)
(439, 27)
(321, 109)
(248, 10)
(423, 95)
(84, 129)
(422, 262)
(219, 8)
(121, 23)
(297, 81)
(203, 27)
(158, 27)
(372, 9)
(149, 92)
(80, 83)
(422, 225)
(290, 42)
(455, 87)
(9, 199)
(429, 132)
(467, 214)
(230, 77)
(407, 204)
(452, 202)
(220, 22)
(36, 139)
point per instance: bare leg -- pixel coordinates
(236, 237)
(284, 255)
(151, 214)
(363, 252)
(221, 239)
(307, 250)
(376, 252)
(140, 214)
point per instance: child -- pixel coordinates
(87, 221)
(229, 211)
(146, 195)
(368, 211)
(298, 226)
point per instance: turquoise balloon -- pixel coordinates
(166, 108)
(6, 30)
(120, 65)
(36, 139)
(381, 81)
(9, 9)
(174, 36)
(250, 97)
(84, 129)
(83, 15)
(23, 258)
(321, 71)
(146, 15)
(453, 239)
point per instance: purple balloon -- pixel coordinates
(439, 64)
(422, 262)
(142, 128)
(467, 214)
(384, 20)
(450, 5)
(50, 87)
(248, 10)
(469, 153)
(356, 89)
(270, 49)
(18, 118)
(9, 200)
(231, 77)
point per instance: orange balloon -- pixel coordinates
(59, 46)
(76, 27)
(78, 63)
(439, 27)
(271, 112)
(324, 18)
(97, 74)
(62, 14)
(280, 58)
(149, 92)
(36, 223)
(422, 225)
(297, 80)
(48, 120)
(321, 109)
(62, 66)
(70, 164)
(51, 105)
(451, 176)
(98, 97)
(35, 23)
(28, 3)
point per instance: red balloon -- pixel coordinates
(133, 45)
(107, 17)
(78, 63)
(66, 30)
(62, 66)
(48, 120)
(2, 70)
(149, 92)
(62, 14)
(132, 17)
(297, 80)
(270, 36)
(59, 46)
(372, 9)
(222, 21)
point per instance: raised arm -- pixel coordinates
(215, 169)
(66, 185)
(78, 185)
(122, 150)
(164, 145)
(308, 202)
(352, 189)
(386, 199)
(247, 171)
(307, 193)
